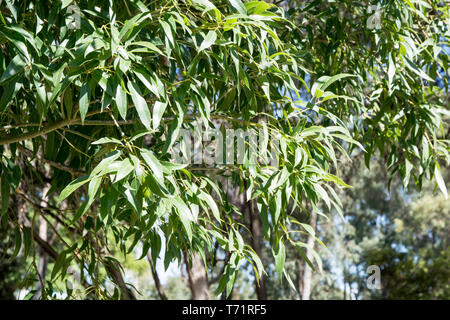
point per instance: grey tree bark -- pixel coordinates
(307, 274)
(257, 238)
(43, 257)
(161, 292)
(198, 281)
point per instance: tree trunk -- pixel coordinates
(198, 282)
(345, 291)
(43, 257)
(257, 237)
(300, 277)
(159, 287)
(307, 275)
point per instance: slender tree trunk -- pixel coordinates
(43, 257)
(256, 229)
(307, 276)
(300, 277)
(159, 287)
(345, 291)
(257, 238)
(198, 281)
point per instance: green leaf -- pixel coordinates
(391, 71)
(105, 163)
(132, 199)
(18, 243)
(280, 258)
(125, 168)
(174, 129)
(230, 283)
(93, 187)
(211, 203)
(121, 101)
(168, 32)
(65, 3)
(265, 140)
(5, 189)
(187, 226)
(169, 166)
(156, 187)
(208, 5)
(84, 100)
(257, 262)
(323, 194)
(319, 87)
(183, 209)
(440, 181)
(153, 164)
(298, 156)
(15, 66)
(334, 79)
(257, 7)
(288, 278)
(309, 229)
(9, 92)
(107, 140)
(26, 241)
(238, 6)
(135, 21)
(222, 282)
(277, 203)
(74, 185)
(141, 105)
(148, 45)
(58, 264)
(12, 8)
(304, 255)
(158, 112)
(155, 86)
(209, 40)
(414, 68)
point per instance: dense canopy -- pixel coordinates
(95, 96)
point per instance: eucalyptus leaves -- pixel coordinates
(104, 104)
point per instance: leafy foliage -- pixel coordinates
(103, 102)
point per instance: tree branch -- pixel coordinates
(57, 165)
(45, 130)
(159, 287)
(221, 272)
(114, 271)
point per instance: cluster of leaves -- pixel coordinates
(399, 106)
(105, 99)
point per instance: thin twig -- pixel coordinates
(57, 165)
(45, 130)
